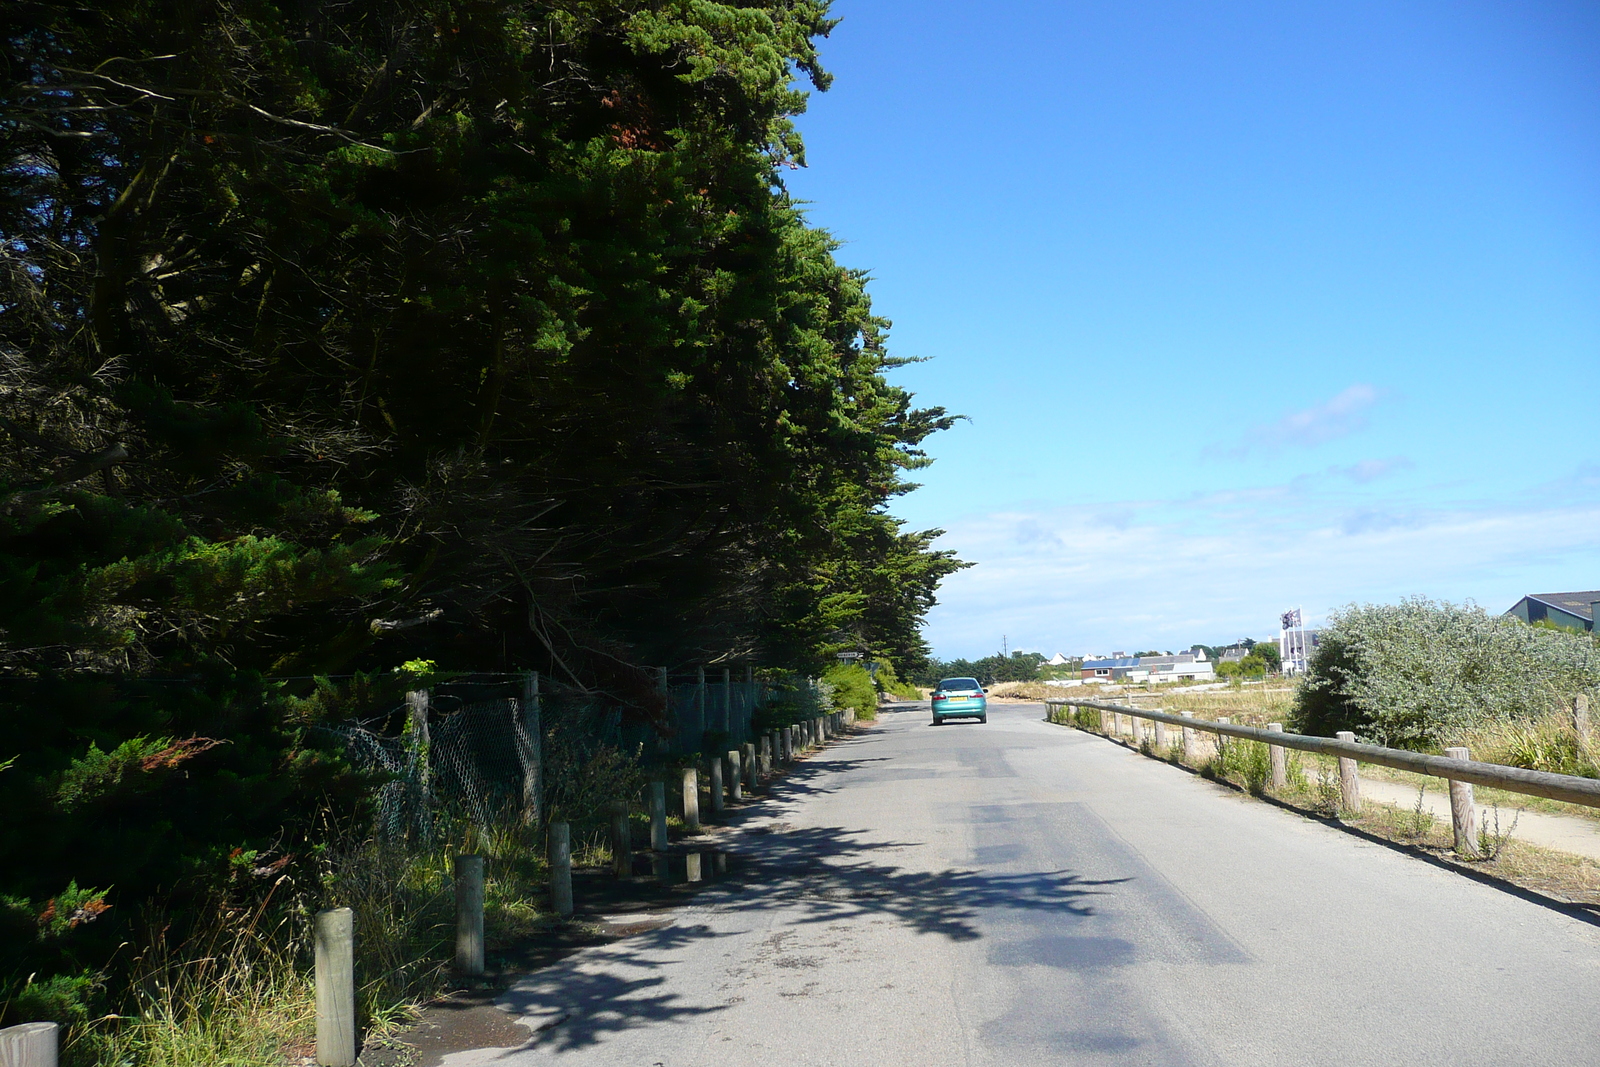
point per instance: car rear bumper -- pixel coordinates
(961, 711)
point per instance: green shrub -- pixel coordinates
(851, 687)
(1413, 673)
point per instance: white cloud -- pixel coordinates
(1338, 416)
(1370, 470)
(1223, 567)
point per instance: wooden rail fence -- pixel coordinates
(1461, 772)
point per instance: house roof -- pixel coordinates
(1578, 603)
(1157, 661)
(1116, 661)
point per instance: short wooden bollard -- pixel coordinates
(1188, 738)
(718, 802)
(1349, 777)
(1161, 737)
(621, 840)
(560, 853)
(1106, 719)
(469, 914)
(335, 939)
(1463, 811)
(735, 777)
(1222, 740)
(30, 1045)
(658, 815)
(691, 799)
(748, 752)
(1280, 759)
(764, 756)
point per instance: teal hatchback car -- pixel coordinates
(959, 698)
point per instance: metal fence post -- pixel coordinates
(560, 850)
(30, 1045)
(1463, 811)
(700, 704)
(1280, 761)
(530, 742)
(658, 815)
(469, 914)
(336, 987)
(1349, 777)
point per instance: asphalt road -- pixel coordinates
(1019, 893)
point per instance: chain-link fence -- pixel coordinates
(494, 747)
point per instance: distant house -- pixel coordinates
(1182, 667)
(1234, 654)
(1108, 670)
(1313, 639)
(1575, 611)
(1058, 660)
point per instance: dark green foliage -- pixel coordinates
(337, 336)
(1017, 667)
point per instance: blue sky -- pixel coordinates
(1251, 305)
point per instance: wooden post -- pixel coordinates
(764, 757)
(530, 750)
(560, 850)
(1280, 759)
(621, 840)
(717, 802)
(691, 867)
(1188, 738)
(1463, 810)
(735, 778)
(658, 815)
(1107, 719)
(1161, 737)
(1349, 778)
(469, 914)
(336, 987)
(691, 799)
(421, 759)
(30, 1045)
(1222, 739)
(788, 744)
(748, 753)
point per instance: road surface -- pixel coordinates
(1019, 893)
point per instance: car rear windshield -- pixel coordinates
(952, 684)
